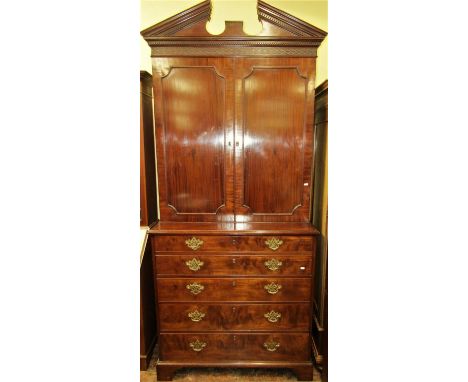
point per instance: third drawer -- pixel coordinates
(231, 289)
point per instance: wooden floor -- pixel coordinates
(224, 375)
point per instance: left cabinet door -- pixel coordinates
(194, 137)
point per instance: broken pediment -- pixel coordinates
(187, 29)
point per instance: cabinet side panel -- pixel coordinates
(148, 192)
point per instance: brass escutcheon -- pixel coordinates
(273, 243)
(272, 288)
(197, 345)
(271, 345)
(194, 264)
(273, 264)
(194, 243)
(272, 316)
(195, 288)
(196, 316)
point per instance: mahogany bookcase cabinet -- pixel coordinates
(234, 250)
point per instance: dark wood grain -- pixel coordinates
(273, 141)
(233, 265)
(239, 347)
(194, 125)
(194, 104)
(148, 199)
(234, 289)
(234, 317)
(233, 243)
(274, 129)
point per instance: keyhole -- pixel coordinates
(233, 309)
(234, 261)
(233, 283)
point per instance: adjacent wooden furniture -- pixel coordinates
(148, 201)
(147, 308)
(319, 219)
(148, 216)
(234, 250)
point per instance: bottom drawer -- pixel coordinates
(234, 347)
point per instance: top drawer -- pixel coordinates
(233, 243)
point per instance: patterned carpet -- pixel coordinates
(224, 375)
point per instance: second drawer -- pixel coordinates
(229, 265)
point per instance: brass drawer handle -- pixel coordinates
(194, 264)
(272, 288)
(195, 288)
(273, 243)
(272, 316)
(273, 264)
(197, 345)
(194, 243)
(271, 345)
(196, 316)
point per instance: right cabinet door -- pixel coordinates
(274, 138)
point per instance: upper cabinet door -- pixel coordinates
(234, 116)
(274, 138)
(194, 128)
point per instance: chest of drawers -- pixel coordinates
(234, 299)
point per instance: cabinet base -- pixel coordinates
(304, 371)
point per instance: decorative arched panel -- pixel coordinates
(194, 137)
(273, 137)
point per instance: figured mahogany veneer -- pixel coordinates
(234, 289)
(234, 251)
(201, 264)
(235, 317)
(235, 347)
(274, 127)
(193, 124)
(213, 122)
(233, 244)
